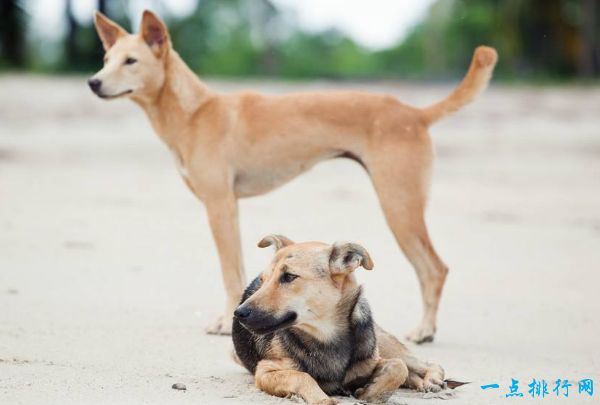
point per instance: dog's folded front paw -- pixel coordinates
(219, 327)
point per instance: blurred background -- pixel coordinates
(108, 271)
(537, 39)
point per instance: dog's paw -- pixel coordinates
(432, 384)
(432, 381)
(220, 327)
(423, 334)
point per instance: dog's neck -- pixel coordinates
(181, 96)
(338, 322)
(350, 298)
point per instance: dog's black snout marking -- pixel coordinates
(95, 85)
(242, 312)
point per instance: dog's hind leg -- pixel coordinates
(400, 173)
(388, 376)
(277, 377)
(422, 376)
(223, 219)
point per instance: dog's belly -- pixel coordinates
(257, 180)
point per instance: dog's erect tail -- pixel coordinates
(476, 80)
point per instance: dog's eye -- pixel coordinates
(287, 278)
(130, 61)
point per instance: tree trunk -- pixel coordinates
(71, 39)
(587, 54)
(12, 30)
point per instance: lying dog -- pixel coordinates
(304, 328)
(230, 146)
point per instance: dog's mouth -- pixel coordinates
(111, 96)
(262, 324)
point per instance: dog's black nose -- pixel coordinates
(242, 312)
(95, 85)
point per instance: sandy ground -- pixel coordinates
(108, 273)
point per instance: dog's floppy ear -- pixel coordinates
(279, 241)
(155, 33)
(108, 30)
(345, 257)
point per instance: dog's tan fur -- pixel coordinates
(323, 297)
(233, 146)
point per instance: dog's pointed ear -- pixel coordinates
(279, 241)
(155, 33)
(346, 257)
(108, 30)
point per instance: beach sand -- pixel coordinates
(108, 273)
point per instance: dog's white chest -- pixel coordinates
(183, 172)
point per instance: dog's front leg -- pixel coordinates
(276, 378)
(223, 218)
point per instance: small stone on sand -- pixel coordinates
(179, 386)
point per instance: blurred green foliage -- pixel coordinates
(241, 38)
(550, 39)
(539, 39)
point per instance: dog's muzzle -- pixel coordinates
(95, 85)
(262, 322)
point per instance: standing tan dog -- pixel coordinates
(240, 145)
(304, 327)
